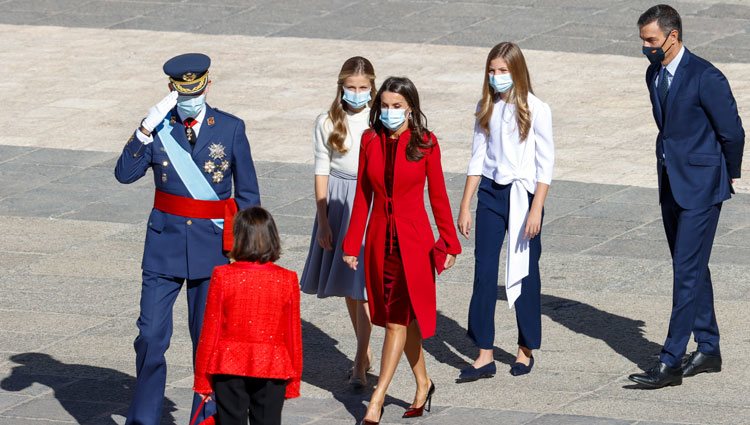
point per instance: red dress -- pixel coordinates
(405, 214)
(251, 326)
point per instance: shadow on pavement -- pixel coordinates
(85, 392)
(450, 334)
(622, 334)
(326, 367)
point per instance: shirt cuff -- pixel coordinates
(142, 137)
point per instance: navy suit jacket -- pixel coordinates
(189, 247)
(701, 138)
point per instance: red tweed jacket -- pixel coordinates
(251, 326)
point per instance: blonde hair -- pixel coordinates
(356, 65)
(519, 93)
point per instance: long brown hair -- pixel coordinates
(356, 65)
(519, 93)
(420, 135)
(255, 236)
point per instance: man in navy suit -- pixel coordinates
(698, 154)
(195, 152)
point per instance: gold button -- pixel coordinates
(189, 222)
(165, 163)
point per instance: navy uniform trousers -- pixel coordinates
(690, 234)
(158, 295)
(493, 202)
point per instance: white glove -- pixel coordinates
(157, 112)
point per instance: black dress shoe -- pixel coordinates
(659, 376)
(701, 363)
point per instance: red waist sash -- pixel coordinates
(196, 208)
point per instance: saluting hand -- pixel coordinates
(157, 112)
(351, 261)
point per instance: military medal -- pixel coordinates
(216, 151)
(217, 165)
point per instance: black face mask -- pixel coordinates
(656, 54)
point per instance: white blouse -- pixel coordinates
(504, 158)
(328, 158)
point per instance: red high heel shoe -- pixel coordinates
(415, 412)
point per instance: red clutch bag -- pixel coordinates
(439, 253)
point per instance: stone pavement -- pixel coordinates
(73, 95)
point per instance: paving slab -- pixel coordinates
(72, 236)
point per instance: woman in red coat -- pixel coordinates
(397, 156)
(250, 350)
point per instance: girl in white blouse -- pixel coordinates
(511, 164)
(336, 140)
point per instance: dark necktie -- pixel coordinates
(189, 132)
(663, 87)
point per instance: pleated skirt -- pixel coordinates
(325, 273)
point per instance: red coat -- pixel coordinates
(413, 227)
(251, 326)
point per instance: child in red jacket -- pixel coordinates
(250, 349)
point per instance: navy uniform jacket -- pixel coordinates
(189, 247)
(701, 138)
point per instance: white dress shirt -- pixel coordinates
(671, 68)
(196, 128)
(504, 158)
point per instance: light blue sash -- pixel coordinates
(189, 173)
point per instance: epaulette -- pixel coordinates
(226, 114)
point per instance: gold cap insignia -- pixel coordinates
(190, 84)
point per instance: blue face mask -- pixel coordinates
(501, 82)
(392, 119)
(190, 106)
(356, 100)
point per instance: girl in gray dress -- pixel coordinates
(336, 140)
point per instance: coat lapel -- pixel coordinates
(206, 131)
(677, 80)
(656, 105)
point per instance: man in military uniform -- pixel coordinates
(195, 152)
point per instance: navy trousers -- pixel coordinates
(491, 225)
(158, 295)
(690, 234)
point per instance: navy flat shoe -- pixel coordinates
(519, 368)
(471, 373)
